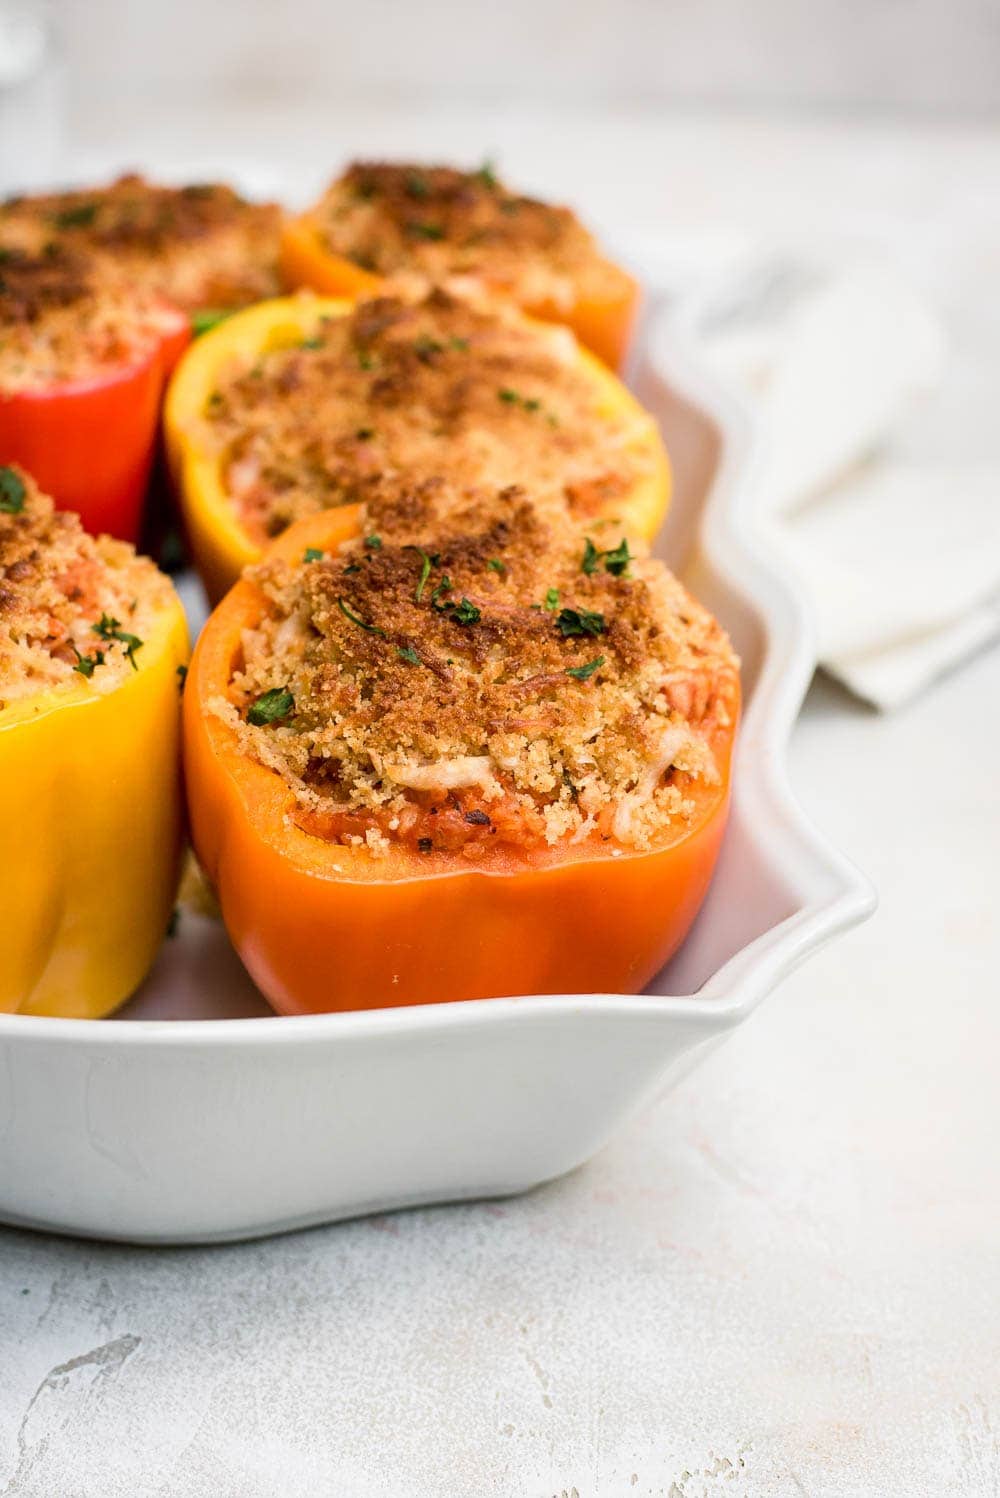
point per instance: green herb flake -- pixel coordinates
(12, 492)
(312, 554)
(408, 654)
(584, 673)
(373, 542)
(465, 612)
(427, 563)
(365, 360)
(426, 347)
(591, 557)
(416, 185)
(207, 318)
(495, 565)
(270, 707)
(444, 586)
(419, 229)
(487, 177)
(580, 622)
(87, 664)
(81, 216)
(616, 561)
(371, 629)
(508, 396)
(110, 629)
(460, 345)
(552, 600)
(311, 343)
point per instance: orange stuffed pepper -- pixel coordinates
(304, 403)
(381, 225)
(437, 755)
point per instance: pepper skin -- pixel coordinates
(324, 927)
(90, 833)
(221, 547)
(90, 443)
(603, 326)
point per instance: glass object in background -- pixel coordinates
(31, 96)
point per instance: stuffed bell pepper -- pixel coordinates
(91, 641)
(437, 754)
(202, 246)
(383, 226)
(84, 357)
(303, 403)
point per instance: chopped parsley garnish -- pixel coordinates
(465, 612)
(87, 664)
(416, 185)
(460, 345)
(312, 554)
(425, 571)
(372, 629)
(407, 653)
(515, 398)
(373, 542)
(12, 492)
(270, 707)
(425, 347)
(78, 217)
(311, 343)
(552, 600)
(351, 567)
(615, 561)
(584, 673)
(365, 360)
(207, 318)
(444, 586)
(495, 565)
(579, 622)
(110, 629)
(421, 230)
(487, 176)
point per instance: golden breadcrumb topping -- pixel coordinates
(200, 246)
(507, 683)
(61, 320)
(398, 391)
(436, 223)
(73, 608)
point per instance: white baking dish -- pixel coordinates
(196, 1117)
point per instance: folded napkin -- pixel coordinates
(902, 563)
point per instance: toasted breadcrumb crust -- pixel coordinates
(200, 246)
(62, 320)
(72, 606)
(397, 391)
(479, 687)
(433, 223)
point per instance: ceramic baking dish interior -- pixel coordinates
(196, 1116)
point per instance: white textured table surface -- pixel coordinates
(782, 1280)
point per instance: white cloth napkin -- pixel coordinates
(902, 562)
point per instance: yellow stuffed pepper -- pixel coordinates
(92, 642)
(304, 404)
